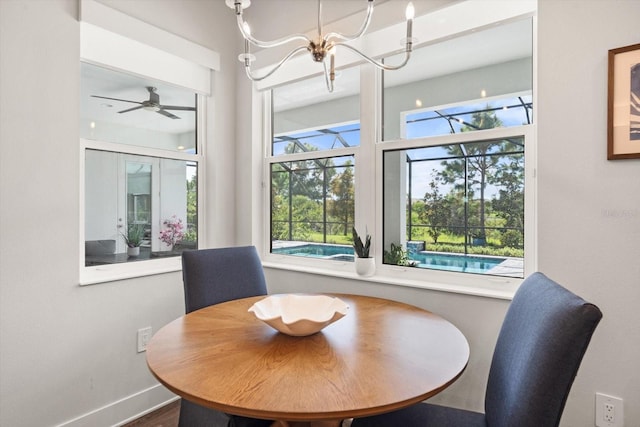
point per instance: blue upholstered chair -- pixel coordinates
(542, 341)
(213, 276)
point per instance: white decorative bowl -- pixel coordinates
(299, 315)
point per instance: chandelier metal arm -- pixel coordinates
(252, 77)
(242, 25)
(378, 64)
(322, 49)
(361, 31)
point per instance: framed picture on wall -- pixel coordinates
(623, 129)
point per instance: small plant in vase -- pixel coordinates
(133, 239)
(365, 264)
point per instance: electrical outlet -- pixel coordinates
(144, 336)
(609, 411)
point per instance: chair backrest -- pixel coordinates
(542, 341)
(212, 276)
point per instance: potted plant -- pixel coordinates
(133, 239)
(396, 255)
(172, 233)
(365, 264)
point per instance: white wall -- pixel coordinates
(69, 352)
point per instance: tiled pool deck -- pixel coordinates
(511, 267)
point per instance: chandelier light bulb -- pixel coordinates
(410, 11)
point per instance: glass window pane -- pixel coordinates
(476, 72)
(312, 200)
(134, 201)
(126, 109)
(307, 117)
(496, 113)
(312, 207)
(462, 207)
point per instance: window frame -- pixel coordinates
(116, 41)
(368, 160)
(496, 286)
(268, 160)
(111, 272)
(369, 187)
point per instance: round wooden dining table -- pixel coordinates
(382, 356)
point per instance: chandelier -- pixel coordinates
(322, 48)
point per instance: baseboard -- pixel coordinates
(124, 410)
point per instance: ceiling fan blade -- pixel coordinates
(168, 114)
(116, 99)
(131, 109)
(177, 107)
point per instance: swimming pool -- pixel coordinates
(437, 261)
(315, 250)
(453, 262)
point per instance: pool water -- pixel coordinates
(437, 261)
(453, 262)
(315, 250)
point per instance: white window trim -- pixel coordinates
(474, 284)
(144, 50)
(464, 283)
(301, 262)
(90, 275)
(116, 40)
(458, 19)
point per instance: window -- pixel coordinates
(143, 98)
(442, 164)
(454, 197)
(141, 165)
(489, 114)
(312, 169)
(464, 207)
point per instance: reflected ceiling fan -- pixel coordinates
(152, 104)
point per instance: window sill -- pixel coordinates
(114, 272)
(477, 285)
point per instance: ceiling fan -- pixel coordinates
(152, 104)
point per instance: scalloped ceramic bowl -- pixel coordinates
(299, 315)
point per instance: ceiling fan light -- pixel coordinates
(151, 108)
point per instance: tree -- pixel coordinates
(475, 162)
(305, 212)
(308, 177)
(509, 204)
(298, 193)
(436, 210)
(342, 204)
(192, 209)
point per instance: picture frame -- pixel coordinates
(623, 109)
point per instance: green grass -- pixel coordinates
(337, 239)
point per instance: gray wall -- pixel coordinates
(588, 207)
(69, 352)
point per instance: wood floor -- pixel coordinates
(167, 416)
